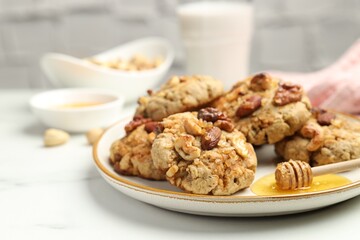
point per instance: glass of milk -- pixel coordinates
(217, 38)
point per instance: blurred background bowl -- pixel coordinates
(64, 108)
(67, 71)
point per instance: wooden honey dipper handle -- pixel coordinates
(336, 167)
(297, 174)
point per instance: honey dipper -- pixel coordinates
(297, 174)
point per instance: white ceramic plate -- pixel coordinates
(244, 203)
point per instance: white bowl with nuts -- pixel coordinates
(130, 69)
(77, 110)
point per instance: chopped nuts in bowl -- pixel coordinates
(138, 62)
(67, 71)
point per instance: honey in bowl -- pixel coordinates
(267, 185)
(78, 105)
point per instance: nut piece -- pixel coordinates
(172, 171)
(325, 118)
(249, 106)
(184, 146)
(225, 125)
(288, 93)
(211, 138)
(94, 134)
(137, 62)
(315, 133)
(154, 127)
(210, 114)
(219, 118)
(260, 82)
(136, 122)
(191, 127)
(55, 137)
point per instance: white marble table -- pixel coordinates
(56, 193)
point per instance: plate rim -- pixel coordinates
(117, 179)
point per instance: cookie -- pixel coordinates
(203, 154)
(325, 138)
(265, 109)
(131, 154)
(179, 94)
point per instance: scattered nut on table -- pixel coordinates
(94, 134)
(55, 137)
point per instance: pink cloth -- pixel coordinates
(336, 87)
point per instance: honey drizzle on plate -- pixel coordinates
(267, 185)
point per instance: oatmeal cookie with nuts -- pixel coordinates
(325, 138)
(203, 154)
(179, 94)
(131, 154)
(265, 109)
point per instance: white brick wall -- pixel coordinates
(296, 35)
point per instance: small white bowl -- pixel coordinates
(67, 71)
(47, 107)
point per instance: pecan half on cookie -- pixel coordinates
(217, 117)
(288, 93)
(250, 105)
(136, 122)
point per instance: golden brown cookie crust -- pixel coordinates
(320, 144)
(131, 155)
(225, 168)
(265, 109)
(179, 94)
